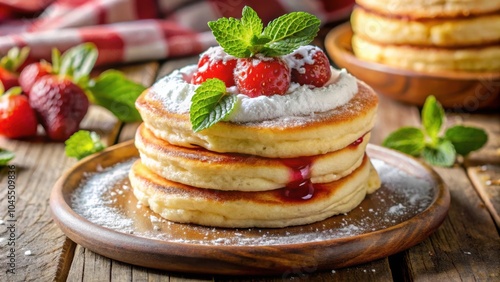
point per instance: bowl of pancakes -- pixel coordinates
(408, 50)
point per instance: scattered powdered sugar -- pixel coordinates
(105, 198)
(95, 199)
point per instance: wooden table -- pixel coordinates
(465, 248)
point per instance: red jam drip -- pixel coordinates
(299, 186)
(357, 142)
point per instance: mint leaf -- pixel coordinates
(78, 61)
(5, 156)
(441, 155)
(432, 117)
(466, 139)
(251, 21)
(289, 32)
(232, 36)
(83, 143)
(113, 91)
(210, 104)
(245, 38)
(409, 140)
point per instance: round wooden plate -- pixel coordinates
(465, 91)
(94, 206)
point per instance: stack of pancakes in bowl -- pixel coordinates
(276, 160)
(428, 35)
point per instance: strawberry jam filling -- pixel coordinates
(300, 186)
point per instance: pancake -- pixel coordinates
(458, 32)
(424, 9)
(228, 171)
(279, 138)
(187, 204)
(479, 59)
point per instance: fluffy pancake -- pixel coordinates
(187, 204)
(228, 171)
(279, 138)
(435, 32)
(418, 9)
(428, 58)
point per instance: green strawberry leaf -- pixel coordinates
(14, 58)
(210, 104)
(78, 61)
(113, 91)
(432, 117)
(245, 38)
(83, 143)
(409, 140)
(441, 155)
(5, 156)
(56, 60)
(466, 139)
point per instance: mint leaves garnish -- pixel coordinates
(210, 104)
(436, 149)
(83, 143)
(113, 91)
(5, 156)
(246, 37)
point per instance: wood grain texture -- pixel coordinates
(464, 248)
(39, 164)
(445, 255)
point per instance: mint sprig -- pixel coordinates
(5, 156)
(428, 142)
(246, 37)
(113, 91)
(83, 143)
(210, 104)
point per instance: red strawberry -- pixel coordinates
(262, 76)
(9, 64)
(60, 105)
(215, 63)
(8, 78)
(17, 118)
(31, 73)
(310, 66)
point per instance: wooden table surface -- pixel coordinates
(465, 248)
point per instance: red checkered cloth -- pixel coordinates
(136, 30)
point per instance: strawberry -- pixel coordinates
(310, 66)
(31, 73)
(17, 118)
(8, 78)
(215, 63)
(9, 64)
(260, 75)
(60, 105)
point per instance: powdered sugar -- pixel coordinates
(175, 95)
(105, 199)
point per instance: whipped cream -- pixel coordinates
(175, 93)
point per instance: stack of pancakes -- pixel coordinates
(274, 173)
(429, 35)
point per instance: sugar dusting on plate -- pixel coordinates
(105, 198)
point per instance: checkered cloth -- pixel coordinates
(136, 30)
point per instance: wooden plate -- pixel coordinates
(94, 206)
(463, 91)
